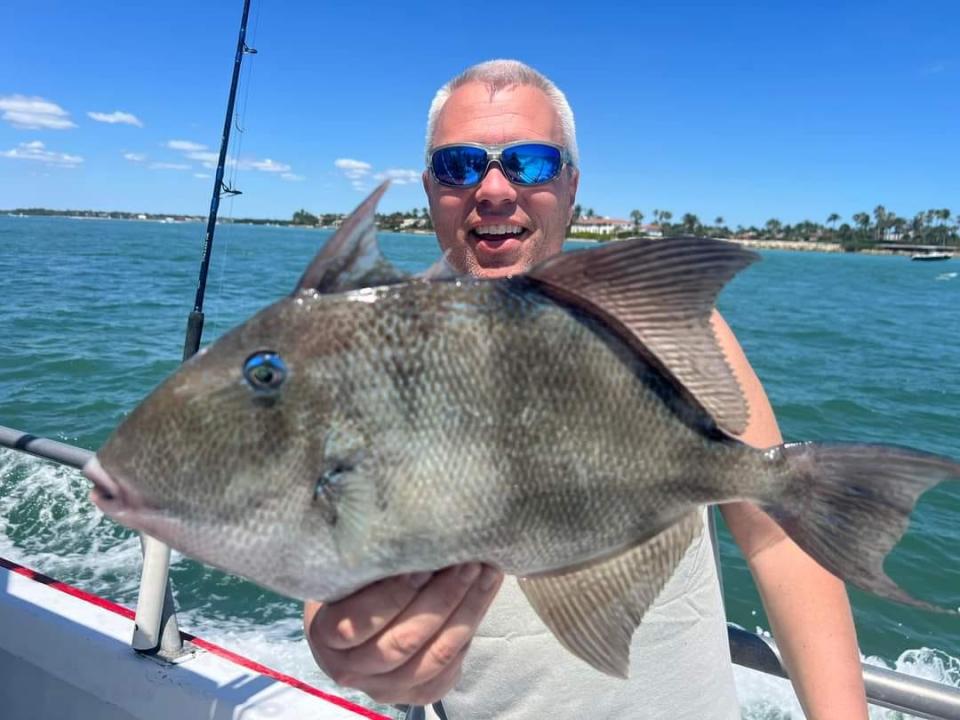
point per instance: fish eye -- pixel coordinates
(265, 371)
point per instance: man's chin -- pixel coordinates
(499, 258)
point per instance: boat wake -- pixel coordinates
(765, 697)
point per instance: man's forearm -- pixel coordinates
(811, 620)
(808, 607)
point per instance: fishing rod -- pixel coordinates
(191, 342)
(155, 627)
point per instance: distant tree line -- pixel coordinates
(416, 219)
(935, 226)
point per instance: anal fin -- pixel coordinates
(594, 609)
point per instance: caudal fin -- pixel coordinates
(847, 506)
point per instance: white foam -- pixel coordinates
(765, 697)
(48, 523)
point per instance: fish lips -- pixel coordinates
(112, 497)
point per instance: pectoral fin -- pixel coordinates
(594, 609)
(346, 492)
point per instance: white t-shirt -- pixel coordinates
(680, 664)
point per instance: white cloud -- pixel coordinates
(398, 176)
(292, 177)
(134, 157)
(168, 166)
(34, 113)
(116, 117)
(186, 146)
(36, 150)
(202, 176)
(266, 165)
(353, 169)
(359, 172)
(209, 159)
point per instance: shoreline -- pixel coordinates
(788, 245)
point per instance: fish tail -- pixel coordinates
(847, 506)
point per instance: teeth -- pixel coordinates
(498, 230)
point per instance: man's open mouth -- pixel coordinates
(493, 235)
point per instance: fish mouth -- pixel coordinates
(112, 497)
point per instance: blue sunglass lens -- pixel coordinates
(462, 165)
(531, 164)
(527, 164)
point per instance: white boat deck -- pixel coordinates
(66, 654)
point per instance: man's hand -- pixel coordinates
(403, 639)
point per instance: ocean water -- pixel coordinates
(849, 347)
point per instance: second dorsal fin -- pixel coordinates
(661, 292)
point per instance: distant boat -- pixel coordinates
(930, 256)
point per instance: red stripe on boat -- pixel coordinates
(199, 642)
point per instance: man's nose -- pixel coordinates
(495, 189)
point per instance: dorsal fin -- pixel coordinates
(351, 259)
(661, 292)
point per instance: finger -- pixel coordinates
(448, 644)
(356, 618)
(420, 621)
(446, 647)
(393, 693)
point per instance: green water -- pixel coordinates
(849, 347)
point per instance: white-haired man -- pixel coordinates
(502, 179)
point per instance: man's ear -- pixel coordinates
(574, 184)
(427, 188)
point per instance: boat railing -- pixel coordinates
(886, 688)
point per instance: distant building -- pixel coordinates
(653, 231)
(601, 225)
(413, 223)
(892, 234)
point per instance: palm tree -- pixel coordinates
(720, 229)
(833, 219)
(656, 216)
(880, 213)
(943, 215)
(863, 220)
(917, 227)
(590, 213)
(665, 217)
(637, 218)
(691, 223)
(774, 226)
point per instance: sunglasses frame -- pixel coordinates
(494, 155)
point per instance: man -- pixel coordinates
(415, 639)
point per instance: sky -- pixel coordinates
(743, 110)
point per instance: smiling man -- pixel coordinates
(498, 227)
(501, 179)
